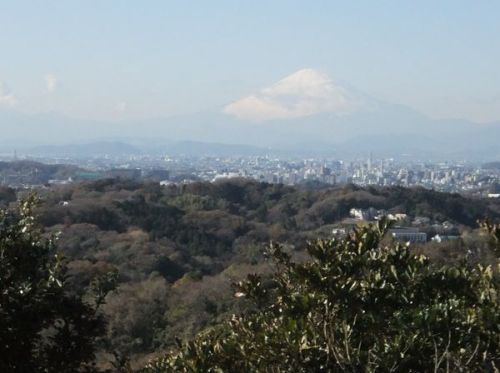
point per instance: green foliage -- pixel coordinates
(134, 313)
(101, 285)
(190, 235)
(356, 306)
(494, 232)
(195, 202)
(42, 326)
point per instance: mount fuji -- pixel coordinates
(306, 111)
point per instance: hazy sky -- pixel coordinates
(140, 59)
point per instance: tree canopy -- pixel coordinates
(43, 327)
(356, 305)
(173, 252)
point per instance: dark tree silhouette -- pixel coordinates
(42, 327)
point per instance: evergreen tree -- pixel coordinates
(356, 306)
(43, 328)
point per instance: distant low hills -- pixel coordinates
(30, 172)
(384, 128)
(97, 149)
(120, 149)
(492, 166)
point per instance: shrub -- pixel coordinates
(43, 328)
(356, 306)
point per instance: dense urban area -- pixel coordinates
(457, 177)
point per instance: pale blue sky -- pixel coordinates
(140, 59)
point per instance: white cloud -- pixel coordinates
(50, 82)
(120, 107)
(303, 93)
(7, 98)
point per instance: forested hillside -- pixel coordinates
(176, 249)
(34, 173)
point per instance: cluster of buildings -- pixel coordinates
(460, 177)
(419, 229)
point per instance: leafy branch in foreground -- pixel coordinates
(43, 328)
(356, 306)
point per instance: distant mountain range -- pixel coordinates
(119, 148)
(387, 133)
(336, 121)
(97, 149)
